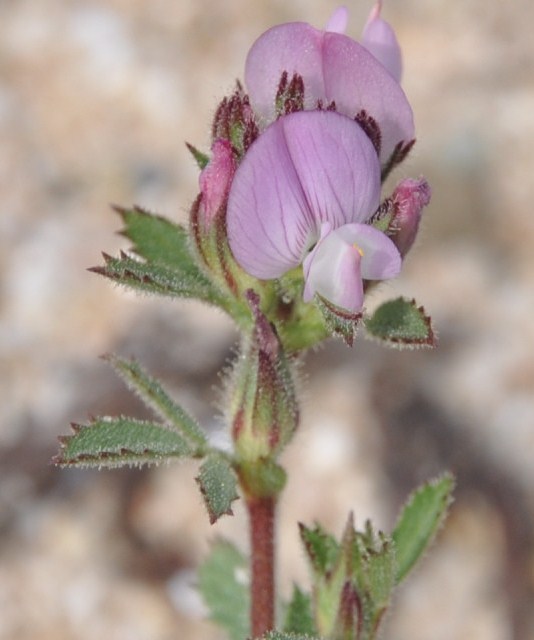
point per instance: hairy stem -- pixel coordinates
(262, 518)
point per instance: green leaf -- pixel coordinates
(218, 484)
(166, 266)
(114, 442)
(157, 279)
(338, 321)
(223, 583)
(299, 617)
(401, 323)
(154, 396)
(159, 240)
(419, 521)
(321, 548)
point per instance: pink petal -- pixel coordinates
(338, 20)
(294, 47)
(343, 258)
(332, 270)
(215, 180)
(381, 259)
(334, 68)
(357, 81)
(379, 38)
(307, 168)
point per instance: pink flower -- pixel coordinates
(336, 68)
(302, 194)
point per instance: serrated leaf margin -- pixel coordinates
(428, 342)
(448, 480)
(121, 456)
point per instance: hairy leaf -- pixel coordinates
(401, 323)
(380, 571)
(114, 442)
(166, 264)
(321, 548)
(157, 279)
(223, 583)
(218, 484)
(153, 394)
(419, 521)
(159, 240)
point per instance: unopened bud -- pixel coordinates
(263, 407)
(215, 180)
(208, 215)
(408, 200)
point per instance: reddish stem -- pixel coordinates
(261, 514)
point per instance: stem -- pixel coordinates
(262, 514)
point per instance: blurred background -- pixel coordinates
(96, 101)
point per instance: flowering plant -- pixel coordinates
(288, 235)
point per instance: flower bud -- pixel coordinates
(408, 200)
(215, 180)
(208, 215)
(263, 407)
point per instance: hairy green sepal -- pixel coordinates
(339, 322)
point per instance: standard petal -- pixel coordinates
(380, 257)
(294, 47)
(357, 82)
(268, 217)
(379, 38)
(334, 68)
(332, 270)
(307, 168)
(336, 164)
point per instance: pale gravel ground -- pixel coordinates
(96, 99)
